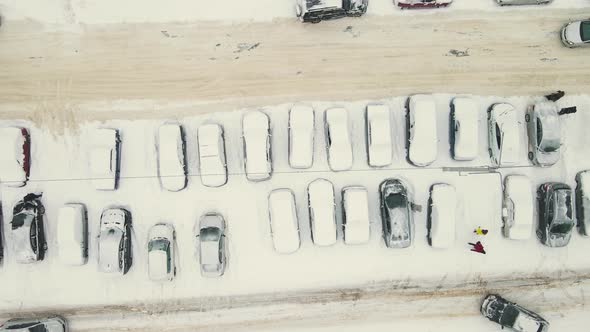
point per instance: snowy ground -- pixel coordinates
(59, 171)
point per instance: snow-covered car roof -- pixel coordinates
(108, 254)
(321, 208)
(212, 155)
(103, 158)
(356, 208)
(412, 2)
(171, 167)
(547, 113)
(467, 128)
(283, 221)
(379, 135)
(71, 234)
(340, 147)
(505, 117)
(301, 136)
(423, 139)
(12, 156)
(443, 215)
(256, 132)
(518, 190)
(158, 265)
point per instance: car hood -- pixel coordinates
(572, 32)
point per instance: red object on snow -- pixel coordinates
(477, 247)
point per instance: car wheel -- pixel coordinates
(530, 156)
(527, 117)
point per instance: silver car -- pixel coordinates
(27, 229)
(211, 245)
(396, 214)
(523, 2)
(576, 34)
(114, 242)
(45, 324)
(161, 252)
(544, 133)
(315, 11)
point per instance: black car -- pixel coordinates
(556, 214)
(396, 214)
(508, 314)
(27, 229)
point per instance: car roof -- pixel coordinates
(255, 122)
(548, 114)
(109, 249)
(158, 264)
(301, 117)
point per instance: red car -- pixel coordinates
(423, 3)
(15, 156)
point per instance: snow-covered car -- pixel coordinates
(423, 3)
(422, 142)
(338, 139)
(464, 129)
(503, 135)
(583, 202)
(44, 324)
(315, 11)
(576, 34)
(15, 156)
(284, 225)
(544, 132)
(556, 214)
(72, 234)
(256, 135)
(355, 221)
(523, 2)
(211, 245)
(212, 164)
(301, 136)
(28, 234)
(379, 142)
(322, 216)
(396, 214)
(114, 241)
(104, 157)
(517, 207)
(511, 315)
(161, 252)
(442, 215)
(171, 157)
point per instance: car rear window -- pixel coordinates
(585, 31)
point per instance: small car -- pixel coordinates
(314, 11)
(212, 162)
(284, 225)
(211, 245)
(355, 210)
(544, 132)
(576, 34)
(44, 324)
(511, 315)
(114, 241)
(523, 2)
(322, 215)
(15, 156)
(105, 158)
(171, 157)
(517, 207)
(379, 142)
(442, 215)
(338, 139)
(422, 143)
(464, 129)
(72, 234)
(161, 252)
(301, 136)
(583, 202)
(503, 135)
(423, 3)
(257, 155)
(28, 230)
(556, 214)
(396, 214)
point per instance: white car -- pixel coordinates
(171, 159)
(379, 143)
(576, 34)
(421, 130)
(322, 216)
(256, 135)
(114, 242)
(161, 252)
(338, 139)
(212, 162)
(503, 135)
(517, 207)
(544, 132)
(211, 245)
(355, 222)
(301, 136)
(15, 156)
(284, 225)
(72, 234)
(442, 215)
(464, 129)
(104, 156)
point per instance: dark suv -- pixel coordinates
(27, 229)
(508, 314)
(556, 214)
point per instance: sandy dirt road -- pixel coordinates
(61, 77)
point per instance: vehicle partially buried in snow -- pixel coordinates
(161, 252)
(396, 214)
(464, 129)
(583, 202)
(338, 140)
(379, 142)
(284, 225)
(523, 2)
(28, 229)
(556, 214)
(322, 215)
(314, 11)
(511, 315)
(44, 324)
(210, 237)
(171, 157)
(422, 143)
(72, 234)
(423, 3)
(301, 136)
(256, 140)
(576, 34)
(355, 221)
(517, 207)
(442, 214)
(114, 241)
(15, 156)
(104, 158)
(503, 135)
(212, 163)
(544, 132)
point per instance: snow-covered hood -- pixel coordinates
(572, 32)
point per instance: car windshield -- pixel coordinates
(159, 244)
(20, 220)
(585, 31)
(210, 234)
(395, 201)
(561, 228)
